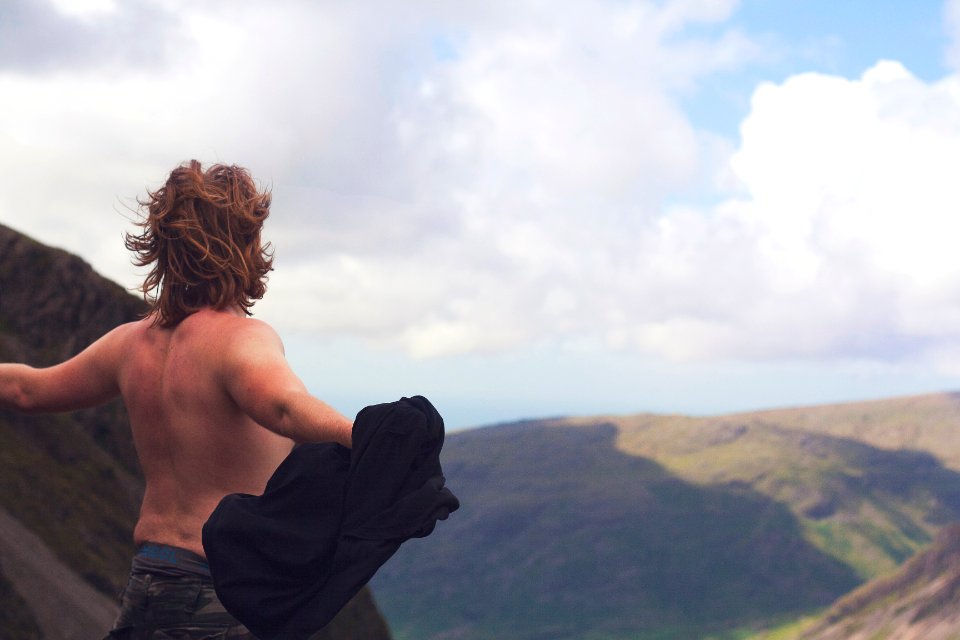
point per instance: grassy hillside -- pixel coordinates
(868, 506)
(666, 526)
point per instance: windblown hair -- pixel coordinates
(201, 233)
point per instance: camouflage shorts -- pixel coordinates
(170, 605)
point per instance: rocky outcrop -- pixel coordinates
(921, 601)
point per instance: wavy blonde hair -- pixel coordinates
(201, 233)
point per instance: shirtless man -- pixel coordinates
(214, 407)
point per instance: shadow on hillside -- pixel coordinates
(904, 491)
(560, 532)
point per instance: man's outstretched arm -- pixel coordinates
(261, 382)
(86, 380)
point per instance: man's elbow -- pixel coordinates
(21, 400)
(278, 417)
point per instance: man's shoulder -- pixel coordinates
(222, 321)
(122, 334)
(227, 332)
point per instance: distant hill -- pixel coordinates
(665, 527)
(921, 601)
(70, 486)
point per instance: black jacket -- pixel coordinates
(286, 562)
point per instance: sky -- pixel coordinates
(526, 209)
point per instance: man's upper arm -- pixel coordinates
(256, 374)
(85, 380)
(264, 386)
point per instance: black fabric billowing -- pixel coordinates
(286, 562)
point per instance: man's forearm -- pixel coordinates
(309, 419)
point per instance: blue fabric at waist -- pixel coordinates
(165, 559)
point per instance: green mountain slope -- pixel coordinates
(664, 526)
(72, 480)
(868, 506)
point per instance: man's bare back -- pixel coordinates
(194, 442)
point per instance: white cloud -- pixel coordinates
(48, 36)
(473, 178)
(85, 8)
(848, 223)
(532, 160)
(951, 19)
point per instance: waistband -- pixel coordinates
(165, 559)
